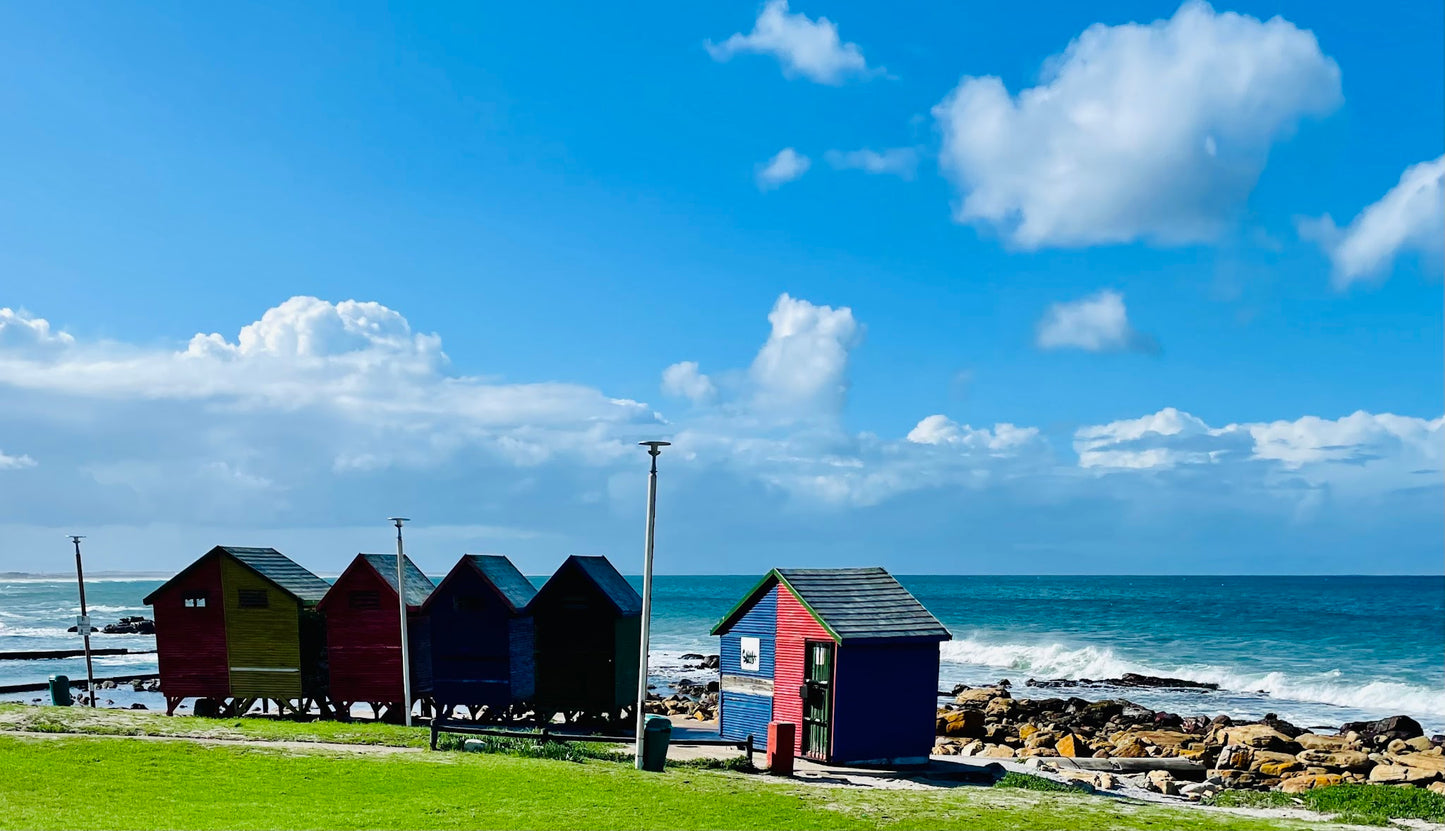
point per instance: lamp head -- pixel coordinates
(654, 447)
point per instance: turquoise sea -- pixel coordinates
(1314, 650)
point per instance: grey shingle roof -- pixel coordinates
(855, 604)
(512, 584)
(613, 585)
(418, 585)
(281, 570)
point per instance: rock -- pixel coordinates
(1419, 743)
(1029, 752)
(689, 656)
(1026, 730)
(1314, 741)
(1199, 790)
(1235, 778)
(993, 751)
(1425, 761)
(1258, 737)
(979, 697)
(1161, 781)
(1159, 738)
(1234, 757)
(1135, 714)
(1168, 721)
(1394, 727)
(1300, 784)
(1131, 748)
(1436, 787)
(1101, 780)
(93, 629)
(1068, 745)
(1337, 759)
(1000, 709)
(1280, 768)
(1195, 724)
(1396, 746)
(962, 724)
(973, 748)
(140, 706)
(712, 686)
(471, 745)
(1130, 679)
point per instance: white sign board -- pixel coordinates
(82, 625)
(752, 654)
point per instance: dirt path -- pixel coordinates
(371, 749)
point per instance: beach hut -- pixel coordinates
(482, 639)
(238, 625)
(363, 648)
(589, 624)
(846, 654)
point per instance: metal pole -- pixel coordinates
(653, 448)
(401, 595)
(85, 615)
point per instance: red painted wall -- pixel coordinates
(191, 642)
(363, 646)
(795, 626)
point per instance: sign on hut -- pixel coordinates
(240, 625)
(848, 655)
(364, 635)
(589, 625)
(482, 639)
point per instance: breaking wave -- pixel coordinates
(1056, 660)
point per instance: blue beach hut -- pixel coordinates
(846, 654)
(482, 639)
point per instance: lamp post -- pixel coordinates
(83, 625)
(401, 600)
(653, 449)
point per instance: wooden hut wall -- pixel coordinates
(473, 649)
(578, 662)
(263, 642)
(885, 702)
(364, 657)
(747, 694)
(796, 626)
(191, 634)
(522, 640)
(626, 648)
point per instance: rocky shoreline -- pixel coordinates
(1269, 754)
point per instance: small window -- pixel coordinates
(469, 603)
(253, 599)
(195, 600)
(364, 600)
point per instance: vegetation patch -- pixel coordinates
(1030, 782)
(1354, 804)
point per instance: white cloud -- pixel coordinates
(1154, 132)
(896, 161)
(941, 430)
(683, 380)
(810, 48)
(15, 462)
(804, 362)
(1410, 217)
(1097, 323)
(22, 333)
(786, 166)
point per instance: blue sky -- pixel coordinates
(1116, 250)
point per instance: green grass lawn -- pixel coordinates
(92, 782)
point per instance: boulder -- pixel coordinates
(1336, 759)
(1419, 743)
(1199, 790)
(1026, 730)
(1280, 768)
(1300, 784)
(710, 662)
(993, 751)
(1131, 748)
(1436, 787)
(1424, 761)
(1396, 746)
(1162, 738)
(140, 706)
(1071, 745)
(1001, 709)
(1162, 782)
(1258, 737)
(1234, 778)
(973, 748)
(1034, 751)
(979, 697)
(1394, 727)
(962, 724)
(1106, 781)
(1314, 741)
(1234, 757)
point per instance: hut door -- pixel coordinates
(817, 699)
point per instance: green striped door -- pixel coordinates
(818, 699)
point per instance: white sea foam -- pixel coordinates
(1056, 660)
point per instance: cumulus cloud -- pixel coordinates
(1155, 132)
(804, 362)
(895, 161)
(786, 166)
(942, 430)
(1097, 323)
(8, 462)
(810, 48)
(1410, 217)
(683, 380)
(22, 333)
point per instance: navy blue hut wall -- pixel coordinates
(887, 704)
(481, 634)
(747, 700)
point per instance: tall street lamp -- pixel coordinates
(83, 625)
(653, 449)
(401, 600)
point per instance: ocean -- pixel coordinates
(1314, 650)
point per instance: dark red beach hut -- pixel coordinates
(240, 625)
(846, 654)
(588, 620)
(364, 643)
(482, 640)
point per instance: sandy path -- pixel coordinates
(372, 749)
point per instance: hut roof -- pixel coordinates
(613, 585)
(514, 587)
(271, 564)
(418, 586)
(853, 604)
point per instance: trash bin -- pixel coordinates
(60, 691)
(656, 733)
